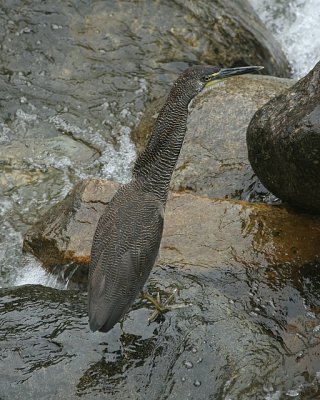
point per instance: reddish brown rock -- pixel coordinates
(199, 232)
(205, 232)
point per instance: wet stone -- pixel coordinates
(49, 352)
(96, 46)
(188, 364)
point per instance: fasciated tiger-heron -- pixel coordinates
(128, 235)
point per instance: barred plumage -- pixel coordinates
(127, 239)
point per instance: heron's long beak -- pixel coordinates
(227, 72)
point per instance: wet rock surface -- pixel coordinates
(213, 158)
(271, 347)
(284, 143)
(198, 232)
(80, 53)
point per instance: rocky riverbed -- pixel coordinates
(81, 83)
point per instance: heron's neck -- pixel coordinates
(155, 165)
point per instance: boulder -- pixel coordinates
(213, 158)
(283, 141)
(118, 50)
(198, 232)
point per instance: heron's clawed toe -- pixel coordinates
(162, 308)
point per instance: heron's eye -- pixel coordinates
(206, 78)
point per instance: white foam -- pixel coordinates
(296, 26)
(19, 269)
(116, 163)
(20, 114)
(32, 273)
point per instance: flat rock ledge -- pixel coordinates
(199, 231)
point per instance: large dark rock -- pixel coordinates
(198, 232)
(213, 158)
(249, 334)
(284, 143)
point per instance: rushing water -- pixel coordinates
(296, 25)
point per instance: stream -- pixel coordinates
(69, 100)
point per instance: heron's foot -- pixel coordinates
(162, 308)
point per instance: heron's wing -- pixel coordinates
(103, 227)
(124, 261)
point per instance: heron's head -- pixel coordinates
(194, 79)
